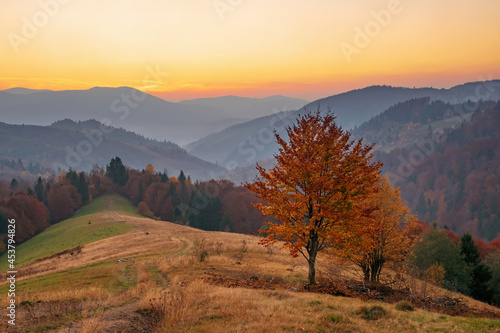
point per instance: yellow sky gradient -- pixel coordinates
(248, 48)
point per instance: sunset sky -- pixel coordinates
(182, 49)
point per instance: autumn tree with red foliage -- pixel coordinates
(318, 189)
(158, 200)
(63, 200)
(98, 183)
(143, 209)
(236, 202)
(30, 214)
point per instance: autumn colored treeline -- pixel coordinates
(469, 266)
(215, 205)
(47, 201)
(212, 205)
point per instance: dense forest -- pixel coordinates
(215, 205)
(445, 158)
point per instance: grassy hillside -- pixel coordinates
(148, 277)
(87, 226)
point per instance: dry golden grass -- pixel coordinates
(200, 307)
(163, 289)
(91, 325)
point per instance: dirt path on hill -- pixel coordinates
(147, 237)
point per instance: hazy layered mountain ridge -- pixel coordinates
(249, 108)
(246, 143)
(136, 111)
(81, 145)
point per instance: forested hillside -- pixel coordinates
(81, 145)
(450, 174)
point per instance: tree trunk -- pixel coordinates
(312, 270)
(377, 261)
(312, 251)
(365, 267)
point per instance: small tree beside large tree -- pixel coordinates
(391, 242)
(318, 190)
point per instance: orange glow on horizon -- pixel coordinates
(308, 91)
(180, 50)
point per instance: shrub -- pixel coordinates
(143, 209)
(219, 247)
(435, 274)
(404, 306)
(244, 246)
(200, 250)
(372, 313)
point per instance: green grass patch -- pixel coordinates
(182, 251)
(75, 231)
(107, 202)
(109, 275)
(128, 277)
(57, 322)
(106, 275)
(404, 306)
(374, 312)
(334, 318)
(158, 276)
(480, 325)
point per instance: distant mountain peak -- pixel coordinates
(23, 91)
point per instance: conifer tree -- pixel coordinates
(481, 274)
(83, 188)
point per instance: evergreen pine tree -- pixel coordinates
(481, 274)
(164, 177)
(182, 177)
(139, 193)
(20, 165)
(117, 171)
(177, 214)
(13, 184)
(83, 188)
(39, 190)
(226, 224)
(73, 177)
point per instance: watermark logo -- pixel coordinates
(364, 36)
(31, 26)
(453, 116)
(222, 7)
(11, 272)
(256, 143)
